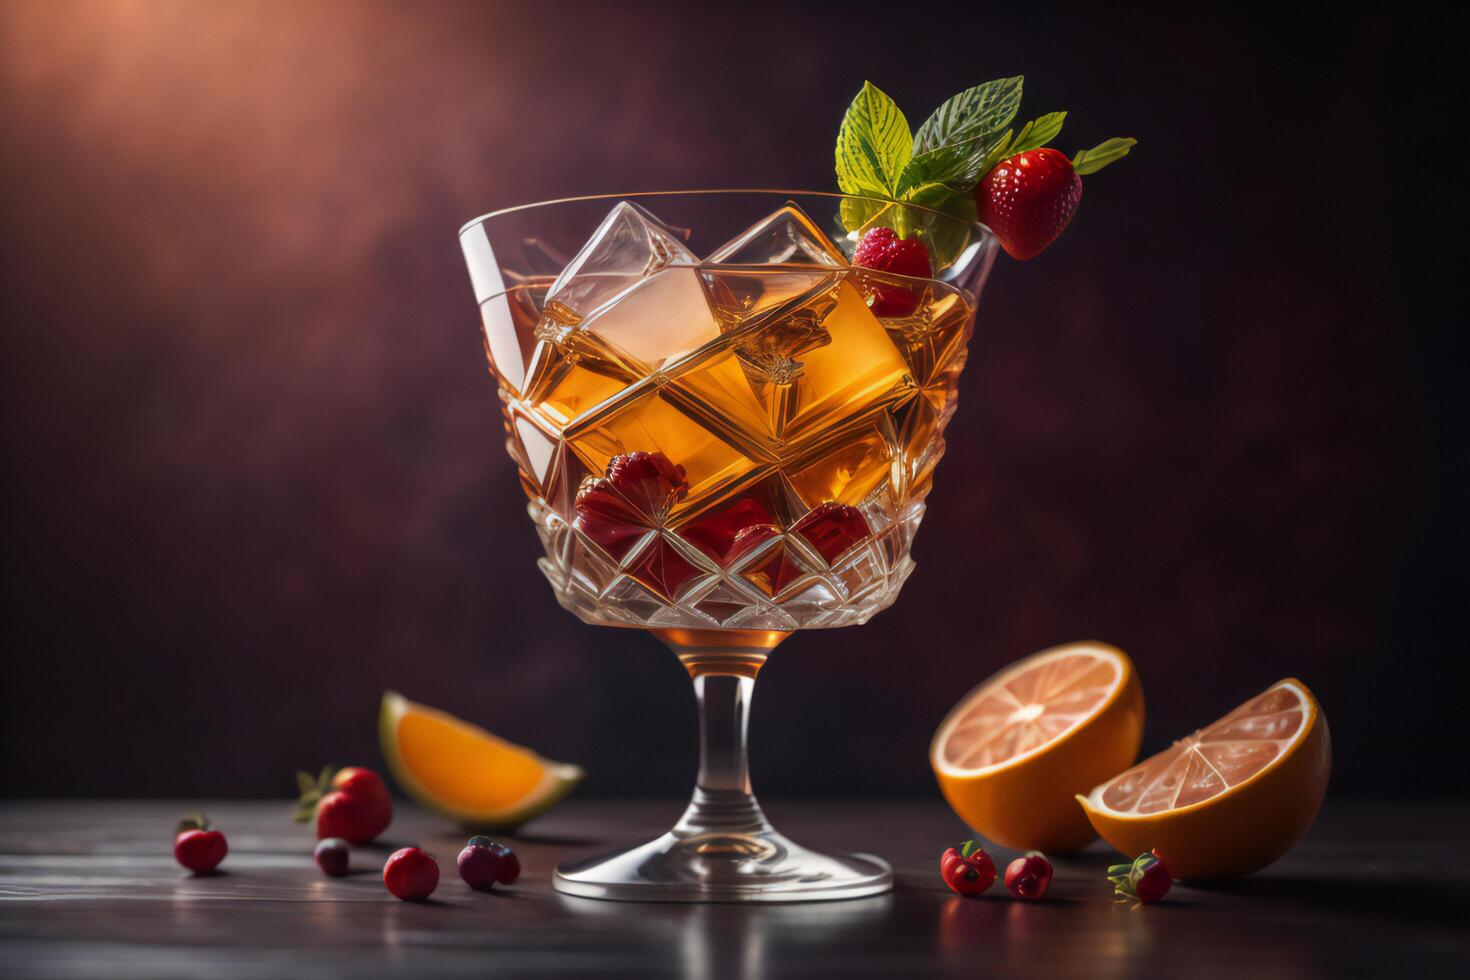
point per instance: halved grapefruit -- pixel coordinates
(1013, 753)
(1229, 799)
(472, 777)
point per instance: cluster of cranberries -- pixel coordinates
(640, 488)
(969, 871)
(412, 874)
(353, 807)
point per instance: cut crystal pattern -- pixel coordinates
(733, 443)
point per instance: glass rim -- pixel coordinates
(976, 226)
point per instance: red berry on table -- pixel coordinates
(411, 874)
(1145, 880)
(331, 856)
(1028, 199)
(198, 848)
(353, 805)
(479, 863)
(967, 869)
(882, 250)
(357, 781)
(1029, 876)
(510, 865)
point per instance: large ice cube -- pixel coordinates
(787, 239)
(658, 319)
(629, 245)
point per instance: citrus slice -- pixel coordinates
(464, 772)
(1011, 756)
(1229, 799)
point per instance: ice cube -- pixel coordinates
(786, 238)
(630, 245)
(657, 319)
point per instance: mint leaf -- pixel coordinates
(873, 145)
(1093, 160)
(1037, 133)
(975, 112)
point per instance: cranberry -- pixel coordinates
(967, 869)
(331, 856)
(510, 865)
(200, 851)
(411, 874)
(1146, 879)
(479, 865)
(1029, 876)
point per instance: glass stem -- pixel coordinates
(723, 665)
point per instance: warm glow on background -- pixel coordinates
(253, 464)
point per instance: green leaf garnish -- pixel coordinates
(941, 165)
(973, 113)
(1093, 160)
(1037, 133)
(873, 145)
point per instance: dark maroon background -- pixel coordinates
(252, 461)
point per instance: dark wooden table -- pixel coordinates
(89, 889)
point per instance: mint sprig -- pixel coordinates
(939, 166)
(873, 145)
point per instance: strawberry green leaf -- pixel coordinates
(873, 145)
(975, 112)
(1037, 133)
(1093, 160)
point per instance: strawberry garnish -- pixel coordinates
(1028, 199)
(884, 251)
(965, 159)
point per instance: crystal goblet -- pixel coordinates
(726, 432)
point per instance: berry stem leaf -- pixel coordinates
(873, 144)
(968, 847)
(1035, 134)
(1091, 161)
(194, 821)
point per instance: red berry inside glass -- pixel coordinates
(411, 874)
(882, 250)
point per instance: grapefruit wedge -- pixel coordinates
(1229, 799)
(1013, 753)
(477, 779)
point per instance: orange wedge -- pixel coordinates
(1229, 799)
(471, 776)
(1013, 753)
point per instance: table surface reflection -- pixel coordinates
(89, 888)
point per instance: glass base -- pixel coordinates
(724, 867)
(723, 849)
